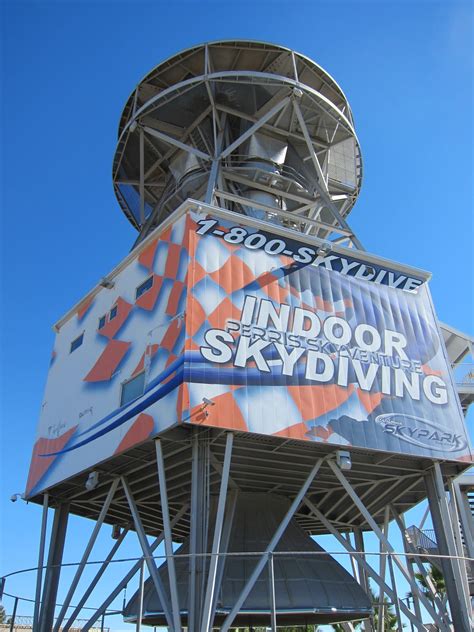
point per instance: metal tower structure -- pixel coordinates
(246, 126)
(249, 376)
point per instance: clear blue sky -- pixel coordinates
(68, 67)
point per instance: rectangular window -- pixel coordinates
(132, 388)
(144, 287)
(113, 312)
(77, 343)
(102, 321)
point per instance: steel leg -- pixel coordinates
(131, 573)
(85, 556)
(141, 589)
(94, 582)
(168, 537)
(147, 554)
(208, 617)
(53, 570)
(39, 576)
(369, 570)
(446, 546)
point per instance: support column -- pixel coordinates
(39, 576)
(94, 582)
(128, 576)
(53, 570)
(376, 529)
(408, 548)
(168, 537)
(148, 555)
(375, 576)
(208, 615)
(382, 570)
(446, 546)
(465, 516)
(198, 530)
(363, 579)
(85, 556)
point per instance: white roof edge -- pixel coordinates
(469, 339)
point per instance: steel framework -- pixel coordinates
(255, 129)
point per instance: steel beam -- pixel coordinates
(39, 575)
(363, 579)
(229, 520)
(177, 143)
(382, 566)
(446, 546)
(141, 590)
(85, 556)
(131, 573)
(456, 524)
(256, 126)
(271, 579)
(208, 614)
(466, 518)
(168, 537)
(409, 549)
(148, 555)
(270, 547)
(94, 581)
(383, 586)
(376, 529)
(53, 570)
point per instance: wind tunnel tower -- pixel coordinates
(248, 376)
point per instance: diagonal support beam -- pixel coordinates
(360, 558)
(95, 581)
(85, 556)
(229, 521)
(168, 537)
(409, 548)
(376, 529)
(177, 143)
(270, 547)
(312, 153)
(323, 187)
(256, 126)
(131, 573)
(207, 617)
(148, 555)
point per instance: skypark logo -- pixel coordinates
(421, 432)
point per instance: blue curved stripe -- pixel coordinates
(134, 410)
(150, 386)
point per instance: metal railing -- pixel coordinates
(359, 559)
(21, 622)
(425, 539)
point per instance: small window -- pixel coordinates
(144, 287)
(132, 388)
(113, 312)
(102, 321)
(77, 343)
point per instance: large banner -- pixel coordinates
(282, 341)
(215, 323)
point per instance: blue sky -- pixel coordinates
(68, 68)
